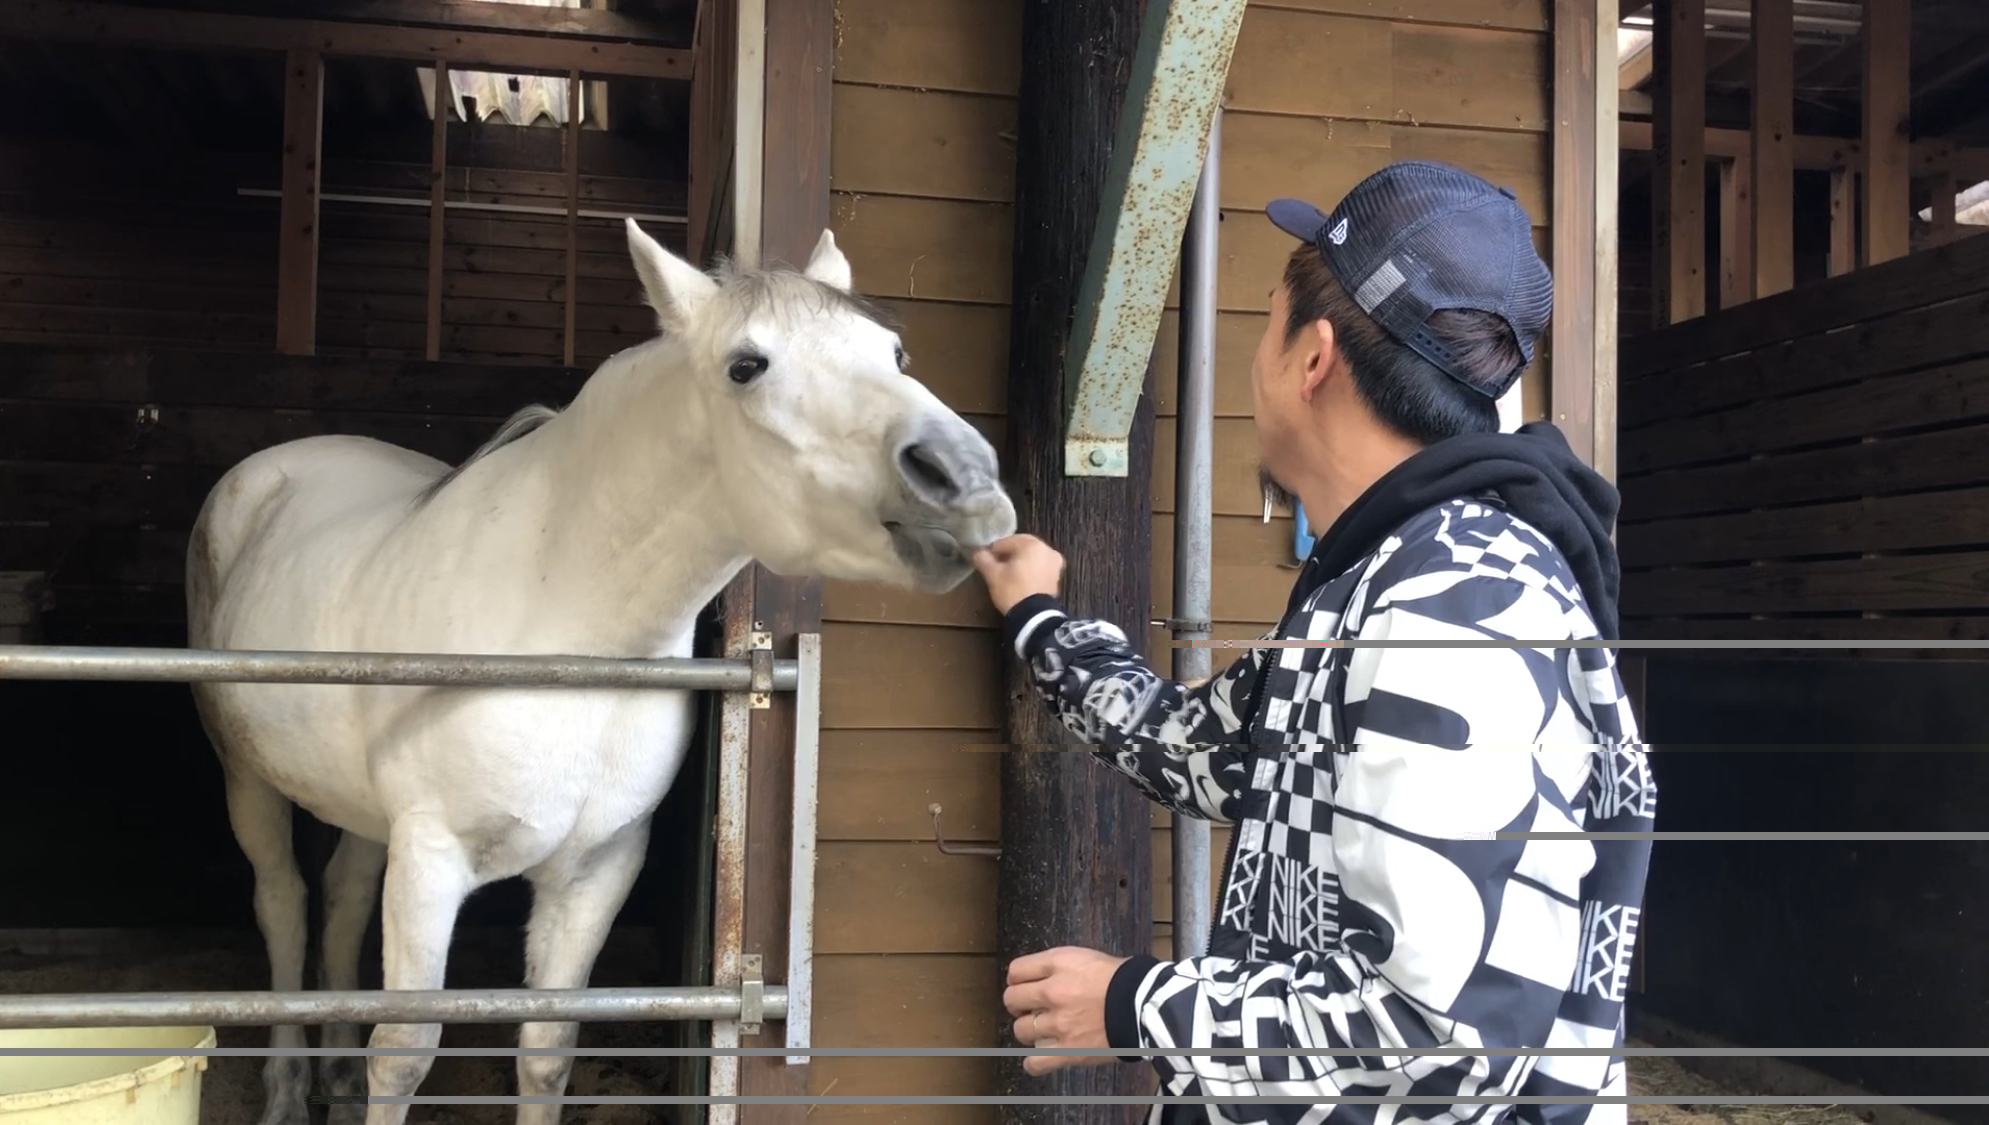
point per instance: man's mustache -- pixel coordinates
(1275, 494)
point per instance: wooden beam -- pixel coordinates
(1887, 87)
(798, 57)
(438, 171)
(1076, 860)
(1736, 241)
(1678, 145)
(1580, 84)
(90, 22)
(574, 120)
(455, 15)
(297, 223)
(1631, 72)
(1602, 343)
(1771, 150)
(1814, 153)
(1942, 192)
(1843, 221)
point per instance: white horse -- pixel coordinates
(771, 421)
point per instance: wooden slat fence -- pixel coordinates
(1815, 464)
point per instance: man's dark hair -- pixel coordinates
(1408, 393)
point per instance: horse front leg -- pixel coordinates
(428, 877)
(574, 905)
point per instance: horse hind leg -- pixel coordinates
(352, 889)
(573, 907)
(260, 817)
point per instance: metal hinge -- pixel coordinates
(752, 994)
(761, 685)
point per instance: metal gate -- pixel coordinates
(739, 1010)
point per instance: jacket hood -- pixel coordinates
(1532, 473)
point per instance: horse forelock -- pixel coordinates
(782, 293)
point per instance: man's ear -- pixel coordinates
(1320, 355)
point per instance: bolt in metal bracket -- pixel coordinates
(752, 994)
(761, 685)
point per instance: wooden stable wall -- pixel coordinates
(1810, 465)
(91, 254)
(99, 479)
(923, 176)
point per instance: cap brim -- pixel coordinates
(1296, 217)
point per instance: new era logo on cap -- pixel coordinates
(1431, 236)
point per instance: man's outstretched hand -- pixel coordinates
(1018, 567)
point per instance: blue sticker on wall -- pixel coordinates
(1301, 536)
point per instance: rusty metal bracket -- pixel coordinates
(761, 657)
(752, 993)
(939, 839)
(1178, 73)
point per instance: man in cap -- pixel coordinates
(1373, 909)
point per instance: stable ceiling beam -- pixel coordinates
(1176, 82)
(514, 51)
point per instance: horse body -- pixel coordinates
(764, 424)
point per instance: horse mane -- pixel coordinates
(515, 427)
(754, 289)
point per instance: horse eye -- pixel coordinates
(901, 356)
(748, 369)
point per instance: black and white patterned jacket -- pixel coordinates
(1367, 912)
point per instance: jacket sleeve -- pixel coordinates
(1182, 746)
(1446, 934)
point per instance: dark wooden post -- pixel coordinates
(1075, 866)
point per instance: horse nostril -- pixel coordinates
(926, 471)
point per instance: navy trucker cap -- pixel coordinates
(1419, 236)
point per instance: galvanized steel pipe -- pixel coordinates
(1194, 425)
(457, 1006)
(50, 662)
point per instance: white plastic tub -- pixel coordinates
(147, 1089)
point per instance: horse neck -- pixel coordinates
(636, 535)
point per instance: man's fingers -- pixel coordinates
(1031, 966)
(1021, 999)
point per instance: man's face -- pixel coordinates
(1281, 378)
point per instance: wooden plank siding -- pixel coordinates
(90, 255)
(1816, 476)
(923, 178)
(167, 286)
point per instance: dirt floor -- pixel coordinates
(1654, 1077)
(232, 1088)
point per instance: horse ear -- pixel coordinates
(674, 286)
(827, 264)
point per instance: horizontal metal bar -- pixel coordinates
(1141, 1099)
(997, 1052)
(471, 205)
(173, 665)
(1549, 643)
(268, 1009)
